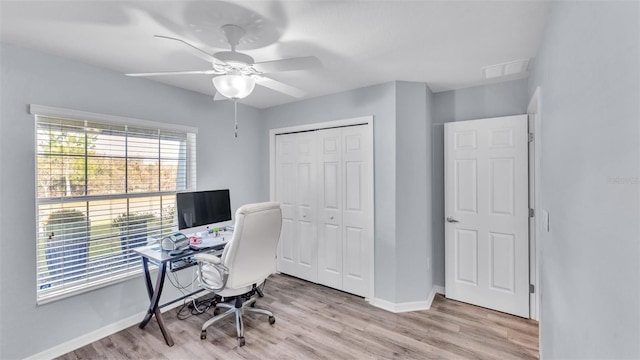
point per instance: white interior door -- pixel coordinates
(295, 190)
(487, 211)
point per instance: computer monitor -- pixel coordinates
(200, 208)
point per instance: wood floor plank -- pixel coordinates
(316, 322)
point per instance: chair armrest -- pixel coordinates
(211, 273)
(210, 258)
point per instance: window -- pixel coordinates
(105, 185)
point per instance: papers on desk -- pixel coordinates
(209, 242)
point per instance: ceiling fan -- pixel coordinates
(235, 73)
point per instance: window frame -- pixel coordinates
(75, 115)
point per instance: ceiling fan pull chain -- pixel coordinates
(235, 110)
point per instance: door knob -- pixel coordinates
(451, 220)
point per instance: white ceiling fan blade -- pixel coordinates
(299, 63)
(280, 87)
(218, 97)
(198, 52)
(192, 72)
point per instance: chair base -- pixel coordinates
(239, 309)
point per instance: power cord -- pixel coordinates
(197, 307)
(176, 282)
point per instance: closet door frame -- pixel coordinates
(363, 120)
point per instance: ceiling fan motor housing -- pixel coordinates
(235, 59)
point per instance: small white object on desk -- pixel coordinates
(212, 241)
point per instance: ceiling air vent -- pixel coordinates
(506, 69)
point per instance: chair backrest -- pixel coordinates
(250, 256)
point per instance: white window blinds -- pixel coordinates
(103, 189)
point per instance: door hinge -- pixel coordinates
(531, 212)
(531, 137)
(532, 289)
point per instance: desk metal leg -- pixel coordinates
(147, 277)
(154, 297)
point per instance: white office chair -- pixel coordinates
(246, 262)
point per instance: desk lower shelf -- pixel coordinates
(189, 261)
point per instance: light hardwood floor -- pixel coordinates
(315, 322)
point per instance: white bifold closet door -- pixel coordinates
(326, 207)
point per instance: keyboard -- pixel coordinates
(211, 242)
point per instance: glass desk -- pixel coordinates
(152, 254)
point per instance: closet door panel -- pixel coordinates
(295, 190)
(356, 208)
(330, 208)
(285, 193)
(306, 228)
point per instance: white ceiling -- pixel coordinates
(445, 44)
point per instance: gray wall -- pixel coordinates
(413, 191)
(393, 282)
(33, 77)
(502, 99)
(589, 71)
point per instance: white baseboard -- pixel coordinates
(96, 335)
(408, 306)
(400, 307)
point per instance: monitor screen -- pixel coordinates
(198, 208)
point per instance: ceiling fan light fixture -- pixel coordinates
(234, 86)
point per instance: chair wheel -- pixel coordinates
(203, 335)
(241, 341)
(272, 320)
